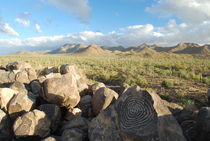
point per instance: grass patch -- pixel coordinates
(156, 73)
(167, 84)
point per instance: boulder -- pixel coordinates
(53, 112)
(31, 74)
(173, 107)
(60, 91)
(118, 89)
(208, 95)
(5, 128)
(94, 87)
(22, 77)
(15, 66)
(48, 70)
(24, 73)
(104, 127)
(6, 77)
(51, 75)
(6, 94)
(137, 115)
(75, 130)
(102, 98)
(34, 123)
(36, 88)
(77, 75)
(189, 130)
(203, 124)
(3, 68)
(20, 104)
(190, 112)
(85, 106)
(26, 76)
(73, 135)
(18, 86)
(77, 122)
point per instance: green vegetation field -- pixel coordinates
(180, 80)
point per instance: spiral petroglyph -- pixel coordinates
(137, 115)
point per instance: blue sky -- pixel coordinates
(105, 16)
(44, 24)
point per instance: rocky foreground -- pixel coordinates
(60, 105)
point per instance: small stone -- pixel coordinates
(52, 138)
(72, 113)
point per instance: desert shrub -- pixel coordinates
(132, 70)
(165, 72)
(186, 102)
(180, 94)
(176, 73)
(130, 82)
(140, 80)
(167, 84)
(206, 80)
(184, 74)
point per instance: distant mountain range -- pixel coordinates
(82, 49)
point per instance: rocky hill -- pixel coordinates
(190, 48)
(138, 48)
(92, 50)
(68, 48)
(118, 48)
(31, 52)
(62, 105)
(182, 48)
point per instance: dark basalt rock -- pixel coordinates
(137, 115)
(203, 124)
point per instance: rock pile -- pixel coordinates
(61, 105)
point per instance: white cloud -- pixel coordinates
(170, 34)
(6, 29)
(79, 8)
(23, 19)
(38, 28)
(195, 11)
(23, 22)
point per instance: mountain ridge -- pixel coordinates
(83, 49)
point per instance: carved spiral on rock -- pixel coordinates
(137, 115)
